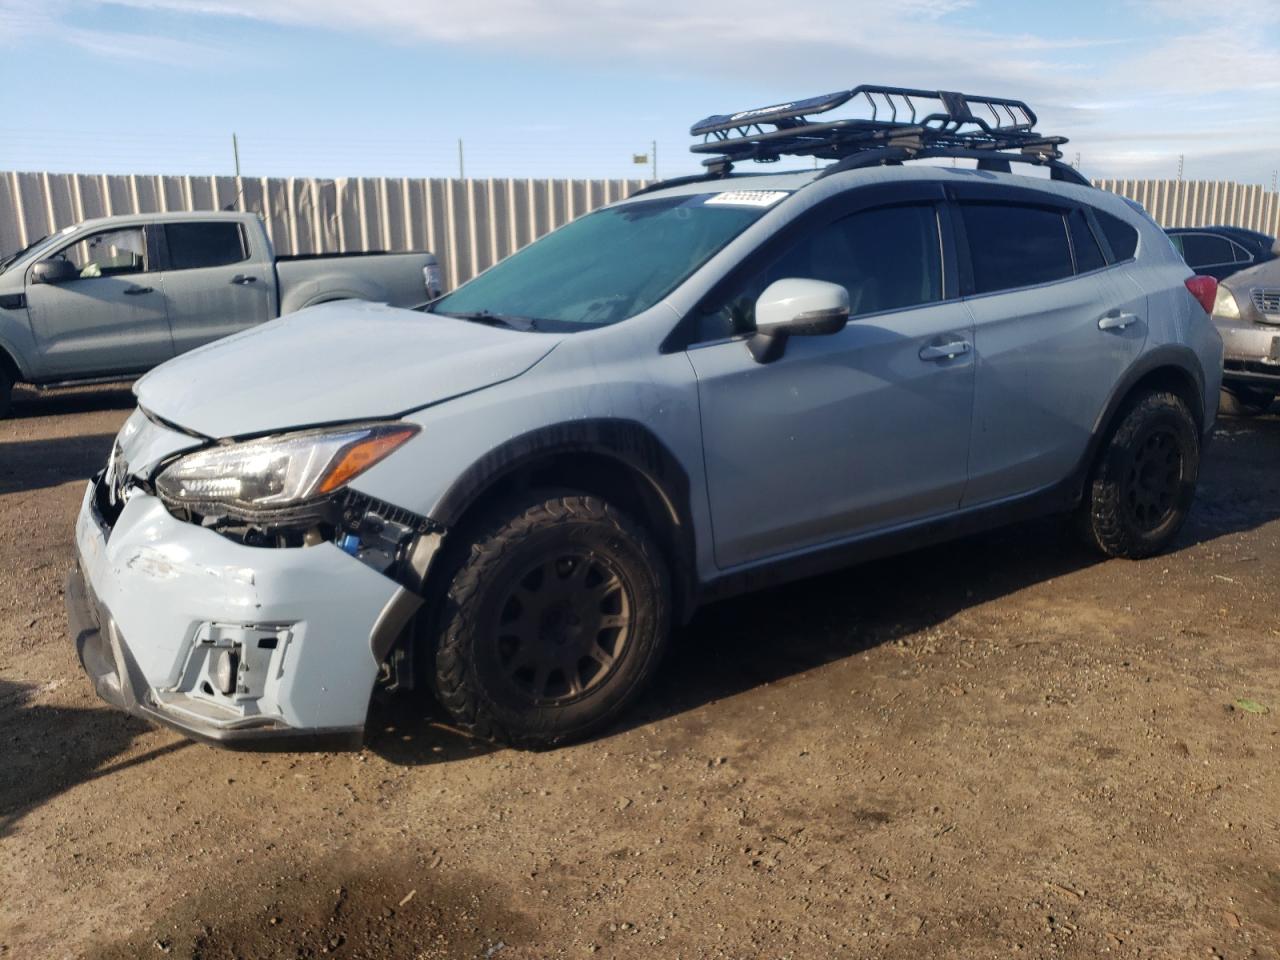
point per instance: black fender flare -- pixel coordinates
(629, 443)
(1168, 356)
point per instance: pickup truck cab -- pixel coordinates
(111, 298)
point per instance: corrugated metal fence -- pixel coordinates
(1198, 203)
(469, 224)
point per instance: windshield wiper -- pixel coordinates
(5, 261)
(507, 320)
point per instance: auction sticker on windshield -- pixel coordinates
(747, 198)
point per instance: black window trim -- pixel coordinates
(828, 211)
(163, 244)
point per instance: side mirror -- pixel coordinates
(796, 308)
(1275, 247)
(55, 270)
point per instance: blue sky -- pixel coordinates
(576, 87)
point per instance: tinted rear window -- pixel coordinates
(1122, 237)
(1011, 245)
(194, 245)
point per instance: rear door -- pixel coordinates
(110, 319)
(846, 433)
(1055, 328)
(213, 284)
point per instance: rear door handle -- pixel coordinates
(243, 278)
(945, 351)
(1116, 321)
(135, 290)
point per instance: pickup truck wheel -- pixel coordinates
(1144, 479)
(552, 623)
(1238, 401)
(6, 393)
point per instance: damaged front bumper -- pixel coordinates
(226, 642)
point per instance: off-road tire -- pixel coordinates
(479, 692)
(1156, 436)
(1240, 401)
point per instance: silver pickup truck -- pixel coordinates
(111, 298)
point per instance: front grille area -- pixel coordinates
(1267, 299)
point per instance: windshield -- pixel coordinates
(608, 265)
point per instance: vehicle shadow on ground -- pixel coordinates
(410, 730)
(30, 404)
(49, 749)
(37, 464)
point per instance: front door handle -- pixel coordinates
(945, 351)
(243, 278)
(1116, 321)
(135, 290)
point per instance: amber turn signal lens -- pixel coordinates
(362, 455)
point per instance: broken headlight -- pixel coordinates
(279, 473)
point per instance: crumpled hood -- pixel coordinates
(335, 362)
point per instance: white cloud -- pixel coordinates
(1176, 81)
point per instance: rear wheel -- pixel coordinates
(1144, 479)
(553, 621)
(1241, 401)
(6, 393)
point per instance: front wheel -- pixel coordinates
(1144, 479)
(553, 622)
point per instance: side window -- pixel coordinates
(1011, 245)
(1122, 237)
(108, 254)
(1242, 255)
(193, 245)
(888, 258)
(1206, 249)
(1084, 244)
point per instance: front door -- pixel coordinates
(846, 433)
(111, 318)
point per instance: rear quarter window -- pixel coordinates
(1122, 238)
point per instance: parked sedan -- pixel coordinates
(1221, 251)
(1247, 314)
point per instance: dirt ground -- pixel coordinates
(1000, 747)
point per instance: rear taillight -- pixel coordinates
(1204, 289)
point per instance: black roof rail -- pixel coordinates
(901, 123)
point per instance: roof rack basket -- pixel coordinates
(899, 124)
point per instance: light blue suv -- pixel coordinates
(509, 497)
